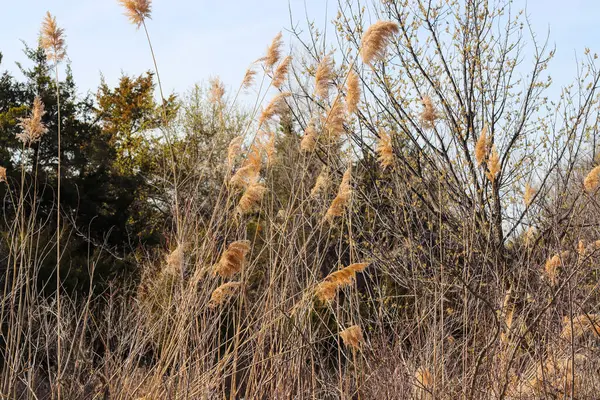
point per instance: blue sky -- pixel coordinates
(197, 39)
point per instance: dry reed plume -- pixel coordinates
(249, 77)
(385, 149)
(268, 146)
(592, 180)
(251, 198)
(276, 106)
(137, 10)
(493, 165)
(482, 146)
(323, 77)
(281, 72)
(223, 293)
(233, 259)
(552, 266)
(334, 122)
(336, 209)
(233, 150)
(327, 289)
(32, 127)
(249, 171)
(353, 337)
(273, 52)
(52, 39)
(217, 91)
(321, 183)
(175, 259)
(376, 39)
(429, 114)
(309, 139)
(352, 92)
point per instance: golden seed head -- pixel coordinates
(482, 146)
(429, 114)
(137, 10)
(217, 91)
(352, 92)
(273, 52)
(592, 180)
(385, 149)
(352, 337)
(281, 72)
(233, 259)
(376, 39)
(493, 165)
(338, 205)
(53, 39)
(309, 140)
(323, 77)
(32, 127)
(248, 78)
(223, 293)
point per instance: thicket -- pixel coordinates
(407, 214)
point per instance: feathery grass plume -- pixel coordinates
(352, 337)
(334, 122)
(581, 247)
(223, 293)
(3, 174)
(249, 171)
(528, 195)
(346, 276)
(352, 92)
(275, 107)
(385, 149)
(552, 266)
(268, 146)
(424, 380)
(582, 325)
(233, 259)
(273, 52)
(137, 10)
(251, 198)
(233, 150)
(175, 259)
(281, 72)
(429, 114)
(338, 204)
(309, 139)
(32, 127)
(323, 77)
(248, 78)
(592, 180)
(493, 165)
(52, 39)
(217, 91)
(482, 146)
(375, 40)
(321, 183)
(327, 289)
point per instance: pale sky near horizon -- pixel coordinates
(198, 39)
